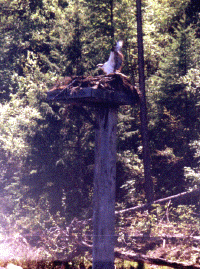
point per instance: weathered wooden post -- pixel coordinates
(106, 94)
(104, 189)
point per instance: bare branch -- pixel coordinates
(157, 261)
(181, 195)
(145, 259)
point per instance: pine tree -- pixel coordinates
(176, 106)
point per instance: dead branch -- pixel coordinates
(142, 258)
(178, 196)
(160, 201)
(167, 237)
(156, 261)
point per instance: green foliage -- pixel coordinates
(174, 126)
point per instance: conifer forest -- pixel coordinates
(47, 148)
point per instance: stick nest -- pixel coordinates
(111, 82)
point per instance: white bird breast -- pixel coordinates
(108, 67)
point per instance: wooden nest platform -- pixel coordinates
(112, 89)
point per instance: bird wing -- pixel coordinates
(118, 61)
(118, 56)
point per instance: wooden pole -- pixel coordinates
(104, 189)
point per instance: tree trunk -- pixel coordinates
(111, 21)
(104, 189)
(143, 109)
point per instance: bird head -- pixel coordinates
(119, 45)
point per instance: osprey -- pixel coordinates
(115, 60)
